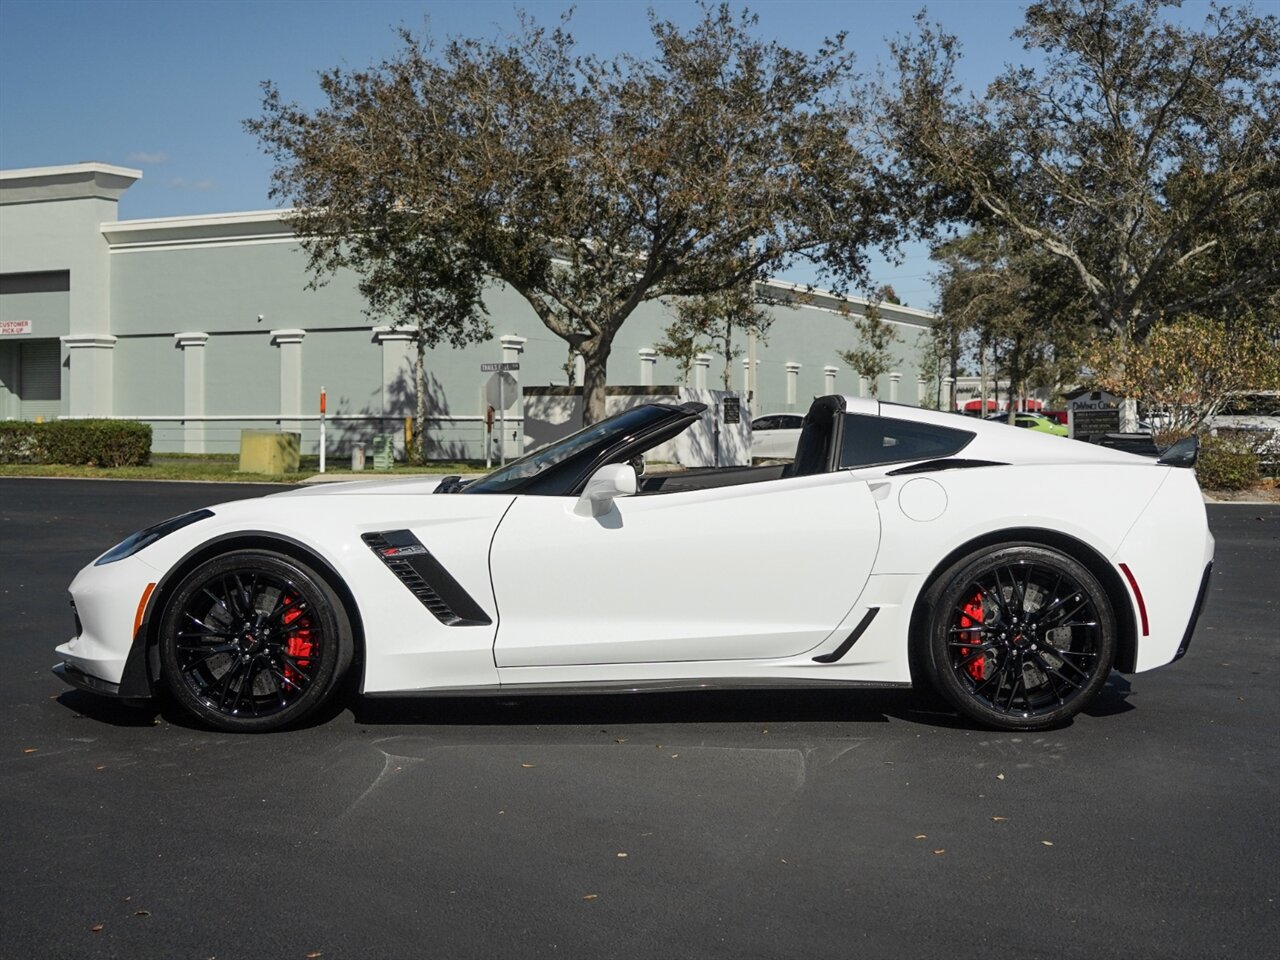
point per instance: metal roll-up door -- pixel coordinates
(40, 379)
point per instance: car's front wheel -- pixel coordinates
(1021, 637)
(253, 641)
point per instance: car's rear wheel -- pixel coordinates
(1021, 637)
(253, 641)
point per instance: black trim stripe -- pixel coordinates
(426, 578)
(1195, 614)
(850, 640)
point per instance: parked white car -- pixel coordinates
(775, 435)
(1007, 568)
(1257, 413)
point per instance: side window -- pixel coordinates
(868, 441)
(790, 423)
(764, 423)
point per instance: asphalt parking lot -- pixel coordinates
(692, 825)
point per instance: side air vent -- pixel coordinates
(426, 578)
(835, 655)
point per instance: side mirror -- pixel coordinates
(610, 481)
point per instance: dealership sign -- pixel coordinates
(1091, 416)
(15, 328)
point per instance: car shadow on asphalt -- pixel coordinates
(111, 711)
(696, 706)
(1112, 699)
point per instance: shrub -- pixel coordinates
(1227, 463)
(18, 442)
(102, 443)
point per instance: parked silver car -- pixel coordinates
(774, 435)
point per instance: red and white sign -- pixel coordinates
(15, 328)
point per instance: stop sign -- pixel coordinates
(501, 383)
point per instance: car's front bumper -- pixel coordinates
(102, 657)
(73, 676)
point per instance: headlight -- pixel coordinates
(144, 538)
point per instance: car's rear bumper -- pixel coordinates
(1163, 559)
(1201, 597)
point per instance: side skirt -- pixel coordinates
(643, 686)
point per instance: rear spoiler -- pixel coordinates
(1182, 454)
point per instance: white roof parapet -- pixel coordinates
(68, 170)
(72, 182)
(838, 303)
(254, 225)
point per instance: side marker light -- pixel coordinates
(1142, 604)
(142, 608)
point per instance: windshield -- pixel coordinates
(572, 455)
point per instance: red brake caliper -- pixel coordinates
(971, 616)
(299, 644)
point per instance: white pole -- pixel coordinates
(502, 413)
(322, 413)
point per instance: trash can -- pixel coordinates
(384, 451)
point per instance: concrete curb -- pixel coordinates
(1240, 503)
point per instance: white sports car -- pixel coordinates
(1011, 570)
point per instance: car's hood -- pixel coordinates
(403, 487)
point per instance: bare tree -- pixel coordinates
(718, 322)
(873, 357)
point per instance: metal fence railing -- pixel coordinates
(449, 436)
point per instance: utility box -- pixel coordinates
(384, 451)
(269, 451)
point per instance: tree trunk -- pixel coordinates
(982, 368)
(418, 453)
(1128, 415)
(953, 370)
(594, 380)
(728, 356)
(1015, 380)
(1128, 405)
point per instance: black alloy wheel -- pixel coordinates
(253, 641)
(1021, 637)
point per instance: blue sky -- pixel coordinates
(163, 85)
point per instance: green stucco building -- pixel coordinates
(204, 326)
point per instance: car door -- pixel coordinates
(754, 571)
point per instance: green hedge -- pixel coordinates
(1227, 463)
(99, 443)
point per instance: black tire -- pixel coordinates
(1020, 637)
(253, 641)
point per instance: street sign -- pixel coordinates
(500, 391)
